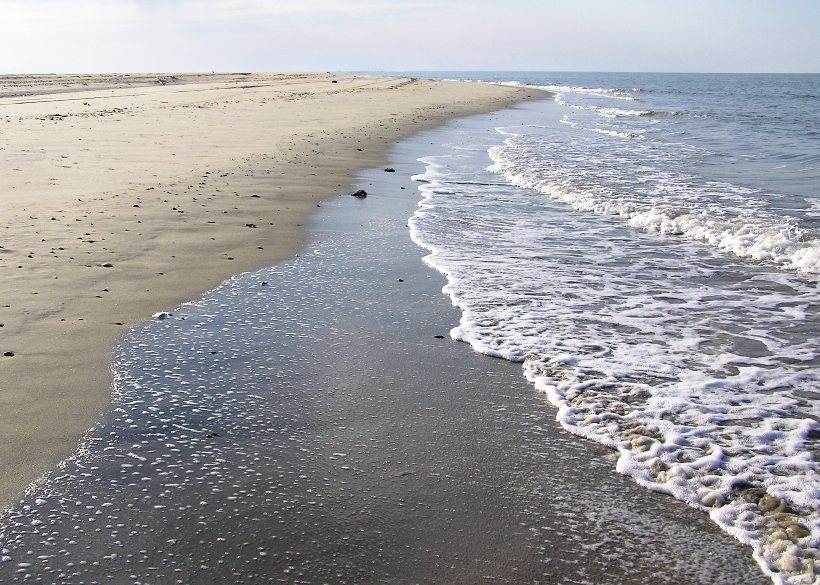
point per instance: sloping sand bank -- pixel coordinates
(126, 195)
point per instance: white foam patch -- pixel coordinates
(728, 217)
(701, 371)
(604, 92)
(604, 131)
(615, 112)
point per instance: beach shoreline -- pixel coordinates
(312, 421)
(126, 200)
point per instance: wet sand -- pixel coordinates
(126, 195)
(313, 422)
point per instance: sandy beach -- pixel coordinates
(126, 195)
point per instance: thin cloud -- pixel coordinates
(37, 15)
(41, 14)
(240, 9)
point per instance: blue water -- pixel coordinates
(730, 160)
(759, 131)
(647, 246)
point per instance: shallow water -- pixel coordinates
(305, 424)
(660, 288)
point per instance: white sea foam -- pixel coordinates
(596, 91)
(697, 369)
(604, 131)
(615, 112)
(719, 214)
(564, 89)
(611, 112)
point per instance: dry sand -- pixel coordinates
(127, 195)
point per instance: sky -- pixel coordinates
(99, 36)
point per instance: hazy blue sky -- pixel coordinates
(277, 35)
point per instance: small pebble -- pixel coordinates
(796, 531)
(769, 503)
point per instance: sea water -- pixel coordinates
(648, 246)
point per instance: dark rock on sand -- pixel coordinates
(361, 194)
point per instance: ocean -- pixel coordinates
(642, 252)
(647, 246)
